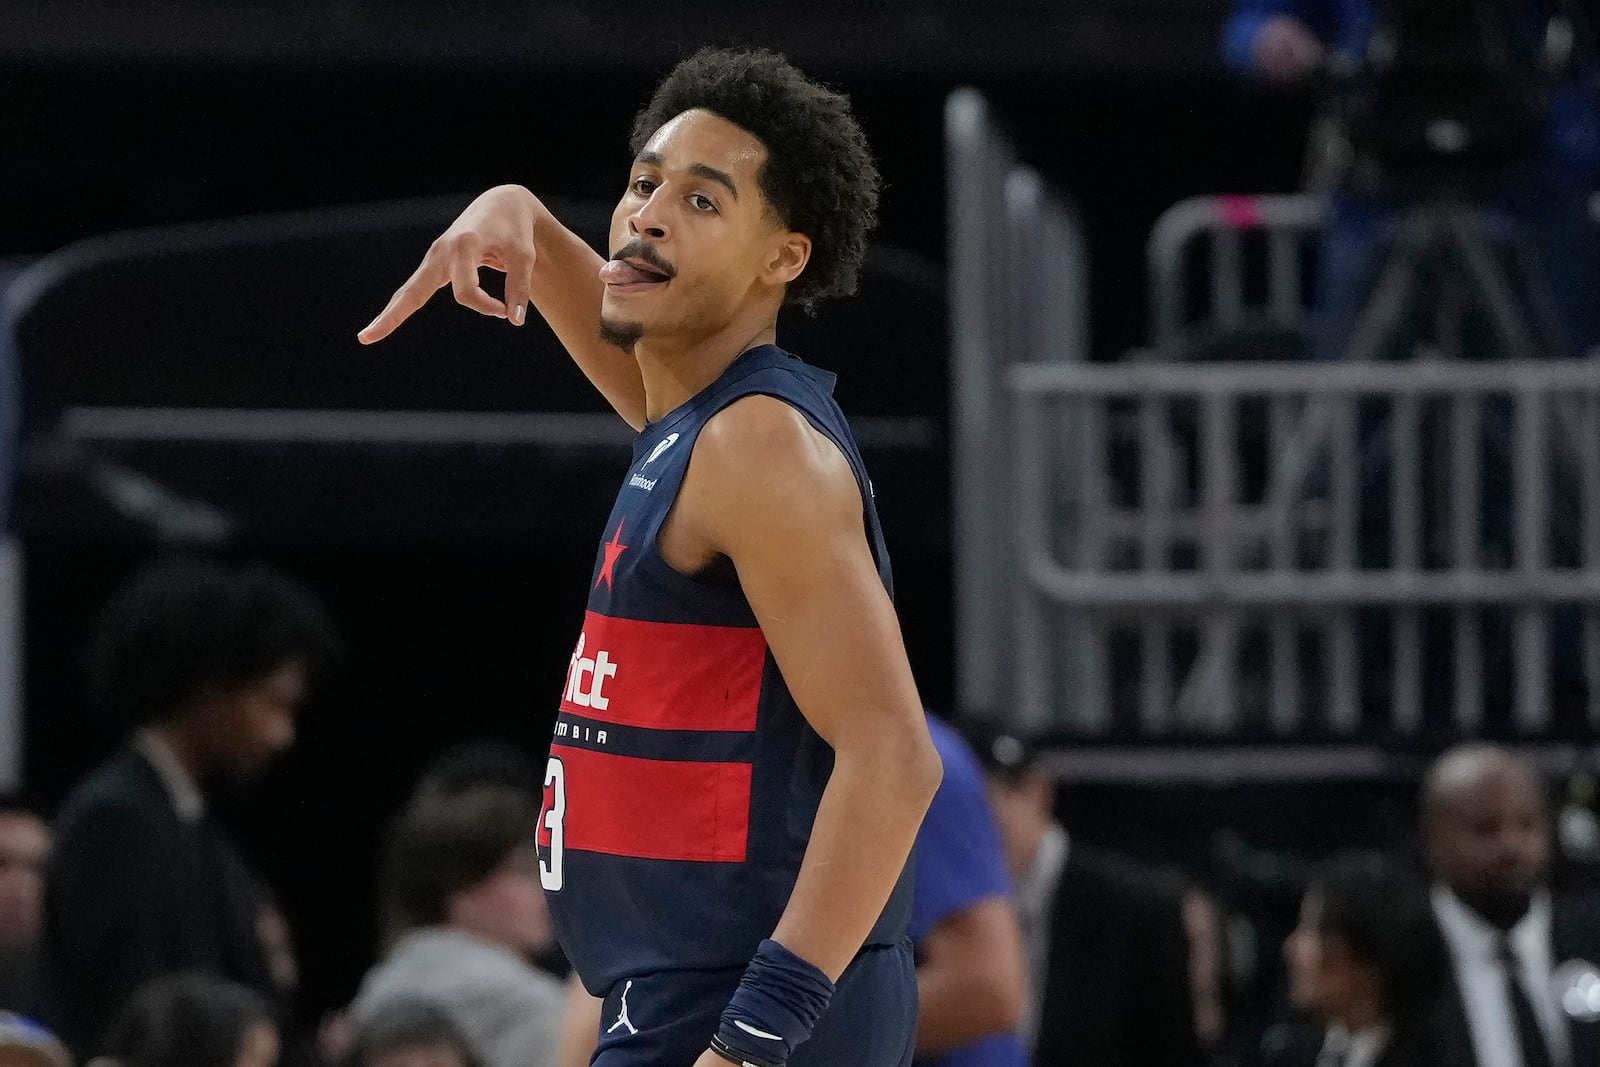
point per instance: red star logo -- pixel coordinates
(613, 549)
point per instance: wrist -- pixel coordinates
(778, 1002)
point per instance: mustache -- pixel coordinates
(646, 254)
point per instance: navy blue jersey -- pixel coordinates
(683, 781)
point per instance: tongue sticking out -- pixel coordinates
(619, 272)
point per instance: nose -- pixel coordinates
(279, 732)
(647, 221)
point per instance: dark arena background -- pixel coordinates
(328, 143)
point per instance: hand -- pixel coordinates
(496, 230)
(1285, 50)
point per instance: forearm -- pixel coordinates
(954, 1010)
(865, 827)
(972, 979)
(566, 289)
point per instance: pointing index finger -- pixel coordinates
(416, 292)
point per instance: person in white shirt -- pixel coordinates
(1366, 963)
(1515, 954)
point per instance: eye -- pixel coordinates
(702, 202)
(643, 186)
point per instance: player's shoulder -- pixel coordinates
(764, 438)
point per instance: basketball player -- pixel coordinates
(741, 762)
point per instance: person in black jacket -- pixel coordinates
(1525, 989)
(1107, 946)
(210, 665)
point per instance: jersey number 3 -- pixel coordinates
(552, 828)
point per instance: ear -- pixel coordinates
(789, 255)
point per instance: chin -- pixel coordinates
(619, 333)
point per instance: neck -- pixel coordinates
(485, 933)
(185, 748)
(674, 371)
(1360, 1016)
(1501, 909)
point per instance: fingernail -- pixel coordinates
(516, 315)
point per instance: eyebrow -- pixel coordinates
(700, 170)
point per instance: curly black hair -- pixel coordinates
(819, 175)
(183, 624)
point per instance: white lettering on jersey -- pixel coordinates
(597, 671)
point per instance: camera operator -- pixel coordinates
(1546, 194)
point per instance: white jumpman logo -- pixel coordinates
(622, 1016)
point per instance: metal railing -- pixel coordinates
(1018, 293)
(1224, 260)
(1306, 551)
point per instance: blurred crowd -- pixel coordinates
(135, 932)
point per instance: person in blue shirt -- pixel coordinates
(1285, 42)
(971, 972)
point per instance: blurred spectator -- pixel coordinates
(464, 910)
(488, 761)
(24, 848)
(1286, 41)
(24, 1043)
(412, 1033)
(971, 972)
(210, 664)
(1108, 952)
(1366, 963)
(1526, 992)
(191, 1020)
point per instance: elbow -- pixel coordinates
(925, 771)
(901, 765)
(1007, 1000)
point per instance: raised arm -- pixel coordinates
(780, 501)
(508, 229)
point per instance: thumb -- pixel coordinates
(519, 283)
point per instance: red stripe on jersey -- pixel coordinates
(655, 809)
(666, 676)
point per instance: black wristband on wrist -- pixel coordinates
(721, 1048)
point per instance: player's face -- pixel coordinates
(693, 240)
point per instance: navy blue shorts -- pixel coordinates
(666, 1020)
